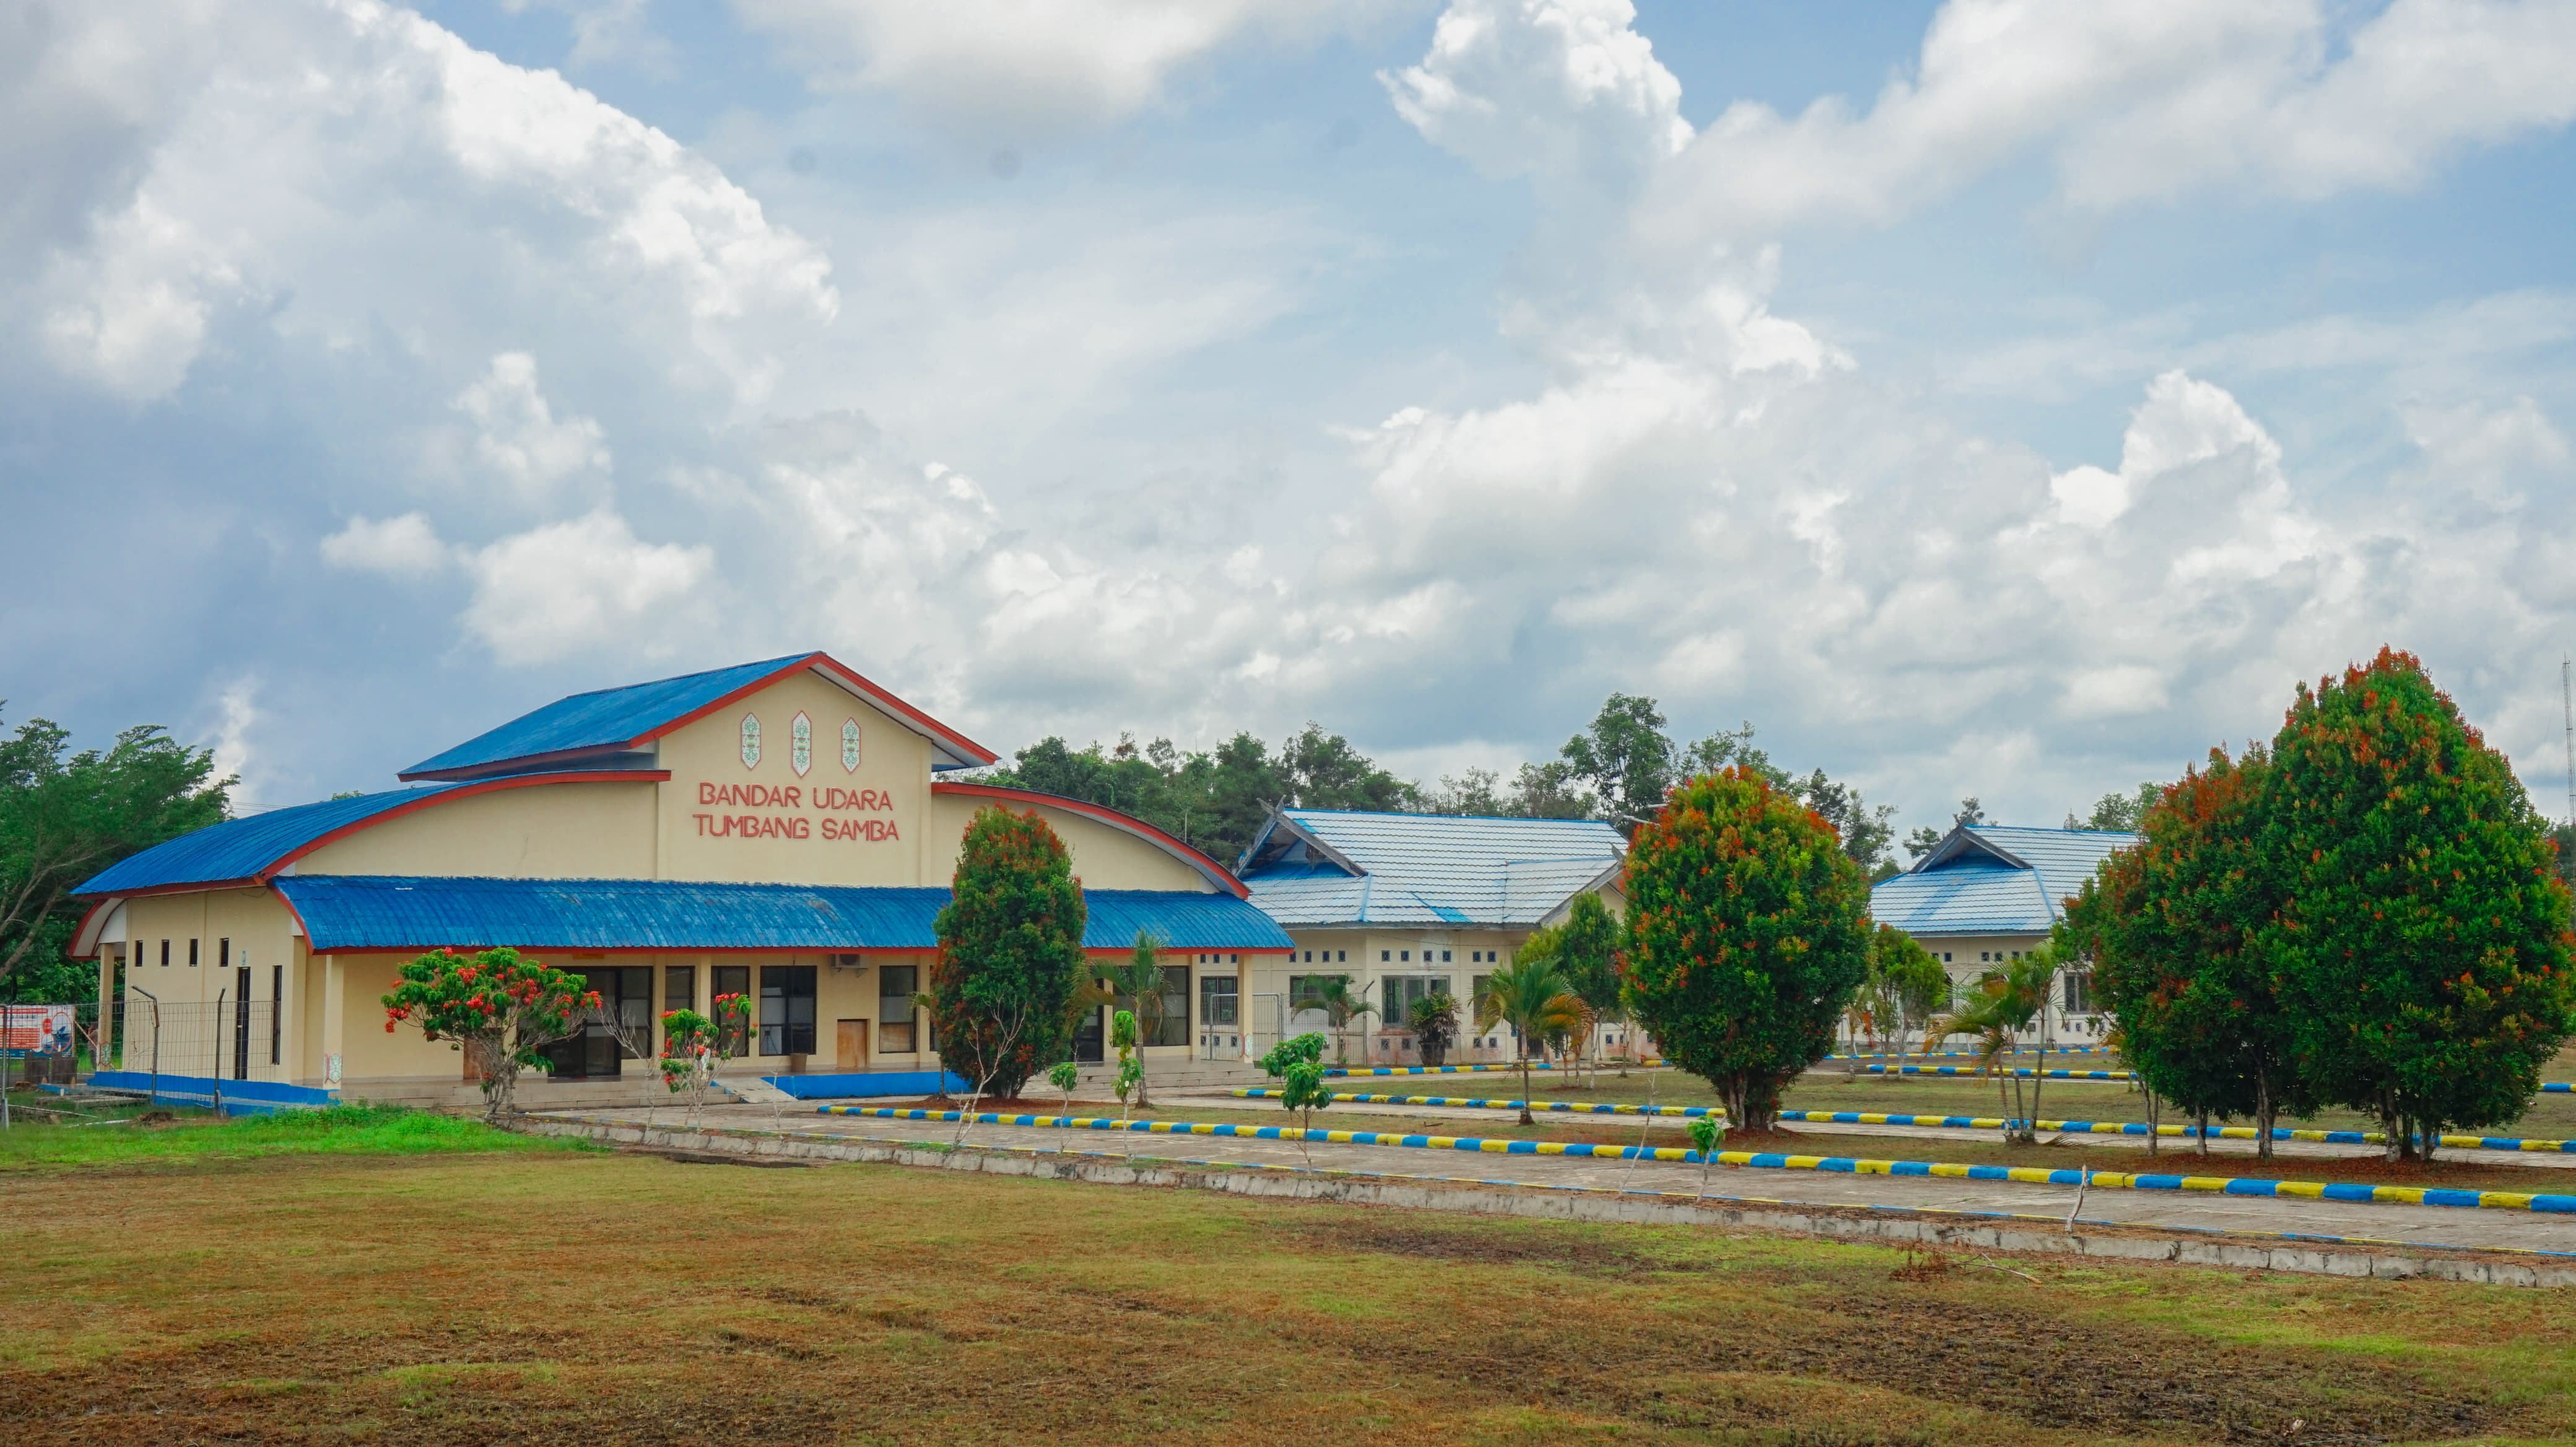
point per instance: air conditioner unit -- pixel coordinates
(844, 962)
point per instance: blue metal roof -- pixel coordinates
(241, 848)
(378, 912)
(1994, 880)
(604, 719)
(1424, 870)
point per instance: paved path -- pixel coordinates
(2417, 1225)
(2176, 1155)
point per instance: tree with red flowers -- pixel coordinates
(2421, 938)
(500, 1007)
(2173, 930)
(695, 1047)
(1748, 931)
(1010, 952)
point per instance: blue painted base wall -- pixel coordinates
(240, 1097)
(868, 1083)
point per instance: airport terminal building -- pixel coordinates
(1987, 893)
(777, 829)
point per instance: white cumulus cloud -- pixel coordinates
(585, 583)
(400, 547)
(2142, 100)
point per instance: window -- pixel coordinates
(679, 987)
(223, 954)
(896, 985)
(1217, 1000)
(1476, 987)
(1945, 957)
(1444, 957)
(1383, 956)
(2079, 992)
(276, 1009)
(731, 980)
(787, 1009)
(192, 954)
(1346, 957)
(1400, 991)
(165, 954)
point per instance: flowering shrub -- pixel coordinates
(694, 1047)
(500, 1007)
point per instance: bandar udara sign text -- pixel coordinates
(833, 806)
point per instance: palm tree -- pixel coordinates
(1531, 996)
(2006, 999)
(1136, 985)
(1341, 1001)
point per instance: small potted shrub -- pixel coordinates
(1434, 1019)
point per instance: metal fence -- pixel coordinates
(222, 1039)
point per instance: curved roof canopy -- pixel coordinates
(590, 730)
(1991, 879)
(249, 850)
(1128, 824)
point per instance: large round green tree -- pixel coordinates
(1748, 930)
(2170, 928)
(1010, 953)
(2422, 937)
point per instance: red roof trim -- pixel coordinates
(430, 797)
(1217, 873)
(921, 722)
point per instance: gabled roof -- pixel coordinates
(1329, 866)
(1994, 879)
(571, 732)
(385, 912)
(249, 850)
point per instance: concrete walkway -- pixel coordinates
(2198, 1212)
(2176, 1155)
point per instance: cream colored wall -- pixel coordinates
(261, 931)
(542, 831)
(894, 764)
(1103, 858)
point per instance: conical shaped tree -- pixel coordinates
(1748, 930)
(1010, 953)
(2422, 939)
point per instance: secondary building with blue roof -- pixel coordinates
(776, 829)
(1988, 893)
(1407, 904)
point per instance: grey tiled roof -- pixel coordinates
(1969, 887)
(1427, 870)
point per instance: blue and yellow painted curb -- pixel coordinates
(1772, 1161)
(1484, 1068)
(1971, 1054)
(1571, 1106)
(1950, 1122)
(2021, 1071)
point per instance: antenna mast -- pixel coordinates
(2567, 704)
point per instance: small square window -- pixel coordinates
(1444, 957)
(1383, 956)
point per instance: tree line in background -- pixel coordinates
(66, 815)
(1619, 769)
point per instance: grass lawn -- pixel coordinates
(583, 1296)
(132, 1135)
(1965, 1147)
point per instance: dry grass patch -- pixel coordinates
(614, 1299)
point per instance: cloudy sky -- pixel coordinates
(1981, 397)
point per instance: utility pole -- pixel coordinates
(2567, 704)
